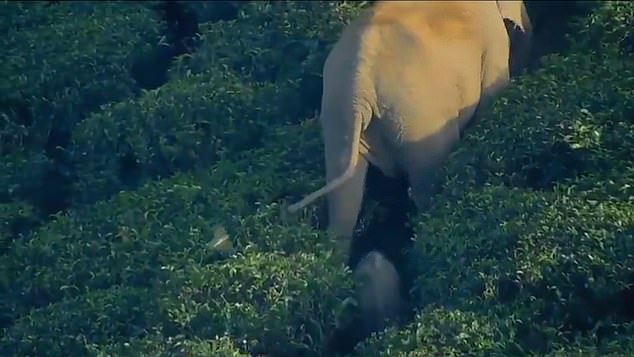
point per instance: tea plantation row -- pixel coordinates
(527, 249)
(60, 62)
(205, 112)
(150, 238)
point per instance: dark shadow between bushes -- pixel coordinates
(390, 234)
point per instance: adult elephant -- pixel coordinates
(400, 85)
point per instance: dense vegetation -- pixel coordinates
(114, 189)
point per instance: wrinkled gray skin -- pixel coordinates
(399, 87)
(378, 294)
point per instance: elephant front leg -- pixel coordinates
(344, 205)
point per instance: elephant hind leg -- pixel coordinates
(425, 158)
(344, 205)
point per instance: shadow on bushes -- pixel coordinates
(547, 167)
(21, 128)
(183, 19)
(82, 60)
(552, 20)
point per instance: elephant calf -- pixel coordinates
(378, 293)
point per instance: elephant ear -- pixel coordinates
(519, 46)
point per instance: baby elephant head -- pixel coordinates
(520, 30)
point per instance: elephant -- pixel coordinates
(378, 293)
(399, 87)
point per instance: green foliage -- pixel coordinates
(439, 331)
(560, 261)
(482, 331)
(185, 123)
(67, 327)
(156, 345)
(59, 62)
(273, 305)
(271, 40)
(608, 26)
(212, 11)
(252, 298)
(16, 173)
(284, 42)
(71, 59)
(15, 218)
(580, 127)
(127, 239)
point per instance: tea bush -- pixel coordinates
(284, 42)
(157, 345)
(551, 127)
(63, 60)
(440, 331)
(99, 316)
(479, 331)
(16, 219)
(608, 26)
(127, 239)
(16, 173)
(60, 61)
(254, 298)
(557, 261)
(268, 41)
(212, 11)
(185, 123)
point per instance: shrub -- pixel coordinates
(69, 61)
(560, 261)
(439, 331)
(607, 26)
(98, 317)
(618, 346)
(127, 239)
(29, 14)
(563, 122)
(156, 345)
(16, 173)
(212, 11)
(16, 218)
(482, 331)
(190, 122)
(33, 179)
(274, 305)
(283, 42)
(61, 61)
(270, 40)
